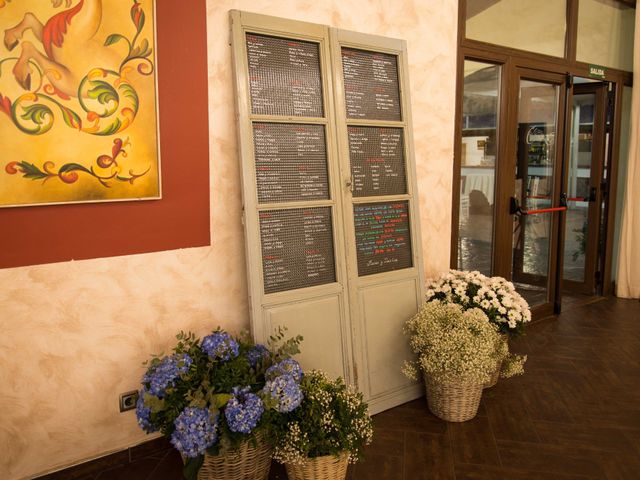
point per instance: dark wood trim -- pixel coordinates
(571, 38)
(505, 181)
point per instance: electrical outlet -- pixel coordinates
(128, 400)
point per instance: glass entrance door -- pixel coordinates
(584, 173)
(536, 202)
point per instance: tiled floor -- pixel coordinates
(575, 414)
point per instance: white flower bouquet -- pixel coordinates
(495, 296)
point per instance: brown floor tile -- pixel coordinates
(552, 459)
(427, 457)
(473, 442)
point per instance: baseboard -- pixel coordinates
(113, 460)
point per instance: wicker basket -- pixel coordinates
(453, 402)
(250, 462)
(320, 468)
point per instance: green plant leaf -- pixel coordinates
(220, 400)
(192, 466)
(114, 38)
(70, 167)
(37, 113)
(29, 170)
(71, 118)
(103, 92)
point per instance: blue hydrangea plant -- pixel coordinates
(210, 395)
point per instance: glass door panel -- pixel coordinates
(535, 180)
(478, 166)
(584, 165)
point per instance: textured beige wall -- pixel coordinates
(73, 335)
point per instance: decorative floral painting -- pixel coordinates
(78, 110)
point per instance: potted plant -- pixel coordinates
(327, 431)
(457, 351)
(217, 400)
(496, 297)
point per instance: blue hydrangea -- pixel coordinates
(220, 346)
(285, 391)
(243, 410)
(257, 353)
(288, 366)
(196, 430)
(143, 414)
(164, 374)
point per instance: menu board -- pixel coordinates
(297, 248)
(383, 238)
(371, 85)
(284, 76)
(377, 161)
(291, 162)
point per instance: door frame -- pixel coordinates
(511, 58)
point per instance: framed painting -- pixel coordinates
(78, 102)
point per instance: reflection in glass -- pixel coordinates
(527, 25)
(578, 187)
(477, 175)
(537, 119)
(605, 33)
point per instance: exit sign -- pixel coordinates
(596, 71)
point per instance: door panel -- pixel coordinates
(584, 172)
(380, 211)
(320, 322)
(383, 327)
(536, 189)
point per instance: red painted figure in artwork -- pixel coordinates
(69, 42)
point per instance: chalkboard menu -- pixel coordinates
(291, 162)
(383, 238)
(371, 85)
(377, 161)
(284, 76)
(297, 248)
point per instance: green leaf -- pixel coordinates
(114, 38)
(103, 92)
(29, 170)
(36, 113)
(220, 400)
(71, 118)
(192, 466)
(70, 167)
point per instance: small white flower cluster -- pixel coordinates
(290, 449)
(333, 418)
(452, 344)
(495, 296)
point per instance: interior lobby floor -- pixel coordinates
(575, 414)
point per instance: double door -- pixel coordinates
(329, 195)
(545, 158)
(559, 140)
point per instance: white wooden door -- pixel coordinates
(381, 209)
(332, 233)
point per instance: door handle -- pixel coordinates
(516, 209)
(593, 193)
